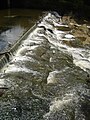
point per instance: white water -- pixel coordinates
(81, 58)
(57, 104)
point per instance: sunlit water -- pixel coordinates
(46, 78)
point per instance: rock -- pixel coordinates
(1, 92)
(66, 19)
(87, 41)
(88, 79)
(84, 28)
(78, 33)
(63, 28)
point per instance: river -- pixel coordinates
(46, 79)
(13, 24)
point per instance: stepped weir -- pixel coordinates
(46, 76)
(7, 55)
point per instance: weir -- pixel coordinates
(7, 55)
(3, 61)
(46, 79)
(15, 32)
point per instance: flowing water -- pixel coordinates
(13, 24)
(46, 78)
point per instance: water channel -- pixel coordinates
(46, 78)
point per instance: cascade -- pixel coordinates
(3, 61)
(5, 58)
(46, 83)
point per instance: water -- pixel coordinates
(9, 7)
(46, 79)
(14, 24)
